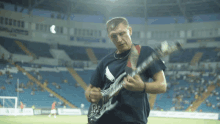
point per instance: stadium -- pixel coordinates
(49, 50)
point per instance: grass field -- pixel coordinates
(44, 119)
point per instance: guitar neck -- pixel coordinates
(139, 70)
(159, 53)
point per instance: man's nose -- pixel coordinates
(119, 38)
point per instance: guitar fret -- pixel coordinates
(139, 69)
(115, 88)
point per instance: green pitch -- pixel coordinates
(44, 119)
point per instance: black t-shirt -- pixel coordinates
(132, 106)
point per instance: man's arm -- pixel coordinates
(159, 84)
(93, 94)
(87, 92)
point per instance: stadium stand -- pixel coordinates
(75, 53)
(75, 94)
(209, 55)
(11, 46)
(102, 52)
(41, 98)
(24, 48)
(184, 89)
(78, 79)
(86, 75)
(68, 91)
(91, 55)
(48, 83)
(39, 49)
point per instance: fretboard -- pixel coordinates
(159, 53)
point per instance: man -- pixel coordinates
(21, 106)
(53, 109)
(133, 104)
(65, 81)
(58, 86)
(32, 93)
(33, 107)
(45, 84)
(218, 105)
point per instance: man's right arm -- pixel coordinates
(93, 94)
(87, 92)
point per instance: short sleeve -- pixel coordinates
(96, 79)
(156, 66)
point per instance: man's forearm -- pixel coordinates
(155, 88)
(87, 95)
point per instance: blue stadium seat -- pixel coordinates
(186, 55)
(86, 75)
(67, 91)
(39, 49)
(75, 53)
(102, 52)
(11, 46)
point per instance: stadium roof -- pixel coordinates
(133, 8)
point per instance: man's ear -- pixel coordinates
(130, 30)
(109, 37)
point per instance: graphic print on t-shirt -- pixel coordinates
(109, 75)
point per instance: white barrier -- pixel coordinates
(13, 111)
(194, 115)
(85, 112)
(69, 111)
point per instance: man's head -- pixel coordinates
(120, 33)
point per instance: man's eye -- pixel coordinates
(114, 36)
(121, 34)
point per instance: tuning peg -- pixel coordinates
(164, 46)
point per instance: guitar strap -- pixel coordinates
(133, 59)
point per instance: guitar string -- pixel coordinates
(149, 60)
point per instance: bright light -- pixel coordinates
(112, 0)
(52, 29)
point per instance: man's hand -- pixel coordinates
(133, 84)
(95, 95)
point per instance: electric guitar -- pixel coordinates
(96, 110)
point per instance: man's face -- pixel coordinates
(121, 37)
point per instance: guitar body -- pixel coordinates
(97, 110)
(108, 101)
(105, 104)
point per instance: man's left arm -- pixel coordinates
(154, 71)
(158, 85)
(135, 83)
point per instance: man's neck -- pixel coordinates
(119, 52)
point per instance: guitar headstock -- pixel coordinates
(166, 48)
(162, 50)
